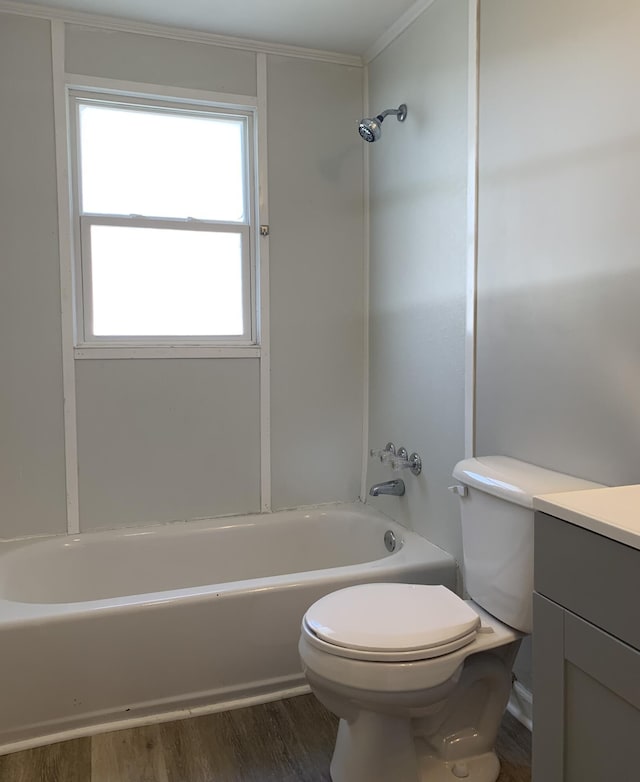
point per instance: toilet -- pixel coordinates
(419, 677)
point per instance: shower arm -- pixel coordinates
(400, 113)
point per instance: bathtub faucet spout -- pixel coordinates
(395, 488)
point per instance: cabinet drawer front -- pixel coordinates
(596, 578)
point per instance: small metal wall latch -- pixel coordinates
(264, 230)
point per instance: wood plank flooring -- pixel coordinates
(283, 741)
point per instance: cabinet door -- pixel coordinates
(587, 701)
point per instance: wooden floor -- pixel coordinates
(284, 741)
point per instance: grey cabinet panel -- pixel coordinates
(602, 732)
(586, 707)
(586, 656)
(602, 705)
(596, 578)
(610, 661)
(548, 687)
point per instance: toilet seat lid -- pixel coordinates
(392, 618)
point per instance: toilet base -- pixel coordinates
(439, 741)
(481, 768)
(380, 748)
(374, 748)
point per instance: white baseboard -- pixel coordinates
(521, 704)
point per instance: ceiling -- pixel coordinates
(349, 26)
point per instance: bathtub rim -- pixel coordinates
(414, 549)
(13, 544)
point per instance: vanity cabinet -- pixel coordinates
(586, 656)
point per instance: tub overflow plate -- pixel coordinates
(390, 540)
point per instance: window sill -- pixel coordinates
(165, 351)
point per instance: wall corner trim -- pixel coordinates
(472, 233)
(262, 251)
(66, 276)
(396, 29)
(366, 279)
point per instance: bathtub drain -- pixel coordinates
(390, 540)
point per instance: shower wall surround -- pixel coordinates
(165, 439)
(32, 461)
(418, 265)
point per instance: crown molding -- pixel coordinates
(176, 33)
(396, 29)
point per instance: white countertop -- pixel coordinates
(612, 511)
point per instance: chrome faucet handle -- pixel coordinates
(401, 462)
(398, 459)
(384, 454)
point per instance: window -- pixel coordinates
(163, 197)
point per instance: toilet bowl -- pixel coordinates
(419, 677)
(416, 699)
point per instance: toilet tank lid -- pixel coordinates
(515, 481)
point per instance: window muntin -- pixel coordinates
(164, 197)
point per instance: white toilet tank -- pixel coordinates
(497, 531)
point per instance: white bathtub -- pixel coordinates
(113, 629)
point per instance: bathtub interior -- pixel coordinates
(164, 558)
(76, 668)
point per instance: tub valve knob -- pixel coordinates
(384, 454)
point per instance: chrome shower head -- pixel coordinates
(370, 128)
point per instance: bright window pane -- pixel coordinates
(161, 164)
(158, 282)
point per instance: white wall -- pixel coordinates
(165, 440)
(559, 265)
(157, 439)
(317, 281)
(157, 60)
(418, 261)
(32, 482)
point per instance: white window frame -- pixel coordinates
(87, 344)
